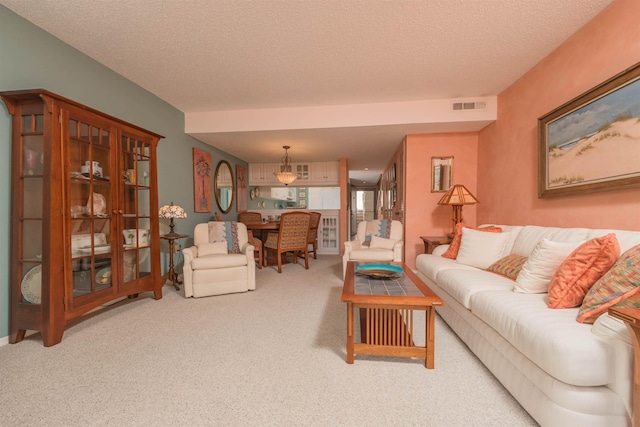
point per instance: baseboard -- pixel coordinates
(4, 341)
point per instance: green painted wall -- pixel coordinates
(32, 58)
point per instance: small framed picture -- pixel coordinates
(302, 194)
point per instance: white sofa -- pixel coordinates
(210, 271)
(563, 373)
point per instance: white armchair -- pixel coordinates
(211, 267)
(376, 240)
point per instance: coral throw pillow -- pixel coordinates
(454, 247)
(508, 266)
(581, 270)
(622, 281)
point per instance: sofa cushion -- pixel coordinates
(454, 246)
(537, 271)
(551, 339)
(372, 254)
(508, 266)
(218, 261)
(431, 265)
(463, 283)
(382, 243)
(481, 249)
(212, 248)
(530, 235)
(620, 282)
(581, 270)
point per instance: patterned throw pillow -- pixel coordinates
(454, 247)
(508, 266)
(621, 282)
(581, 270)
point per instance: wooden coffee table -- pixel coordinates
(386, 314)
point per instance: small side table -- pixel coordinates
(631, 317)
(431, 242)
(171, 275)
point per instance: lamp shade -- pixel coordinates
(286, 175)
(172, 211)
(458, 195)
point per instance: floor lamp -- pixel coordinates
(457, 196)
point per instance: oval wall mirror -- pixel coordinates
(224, 186)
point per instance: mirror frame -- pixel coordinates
(216, 186)
(440, 165)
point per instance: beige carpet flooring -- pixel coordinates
(271, 357)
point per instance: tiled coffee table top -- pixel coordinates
(401, 286)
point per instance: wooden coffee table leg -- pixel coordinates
(350, 333)
(430, 316)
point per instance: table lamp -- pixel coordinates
(457, 196)
(172, 211)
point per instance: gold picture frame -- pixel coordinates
(441, 174)
(592, 143)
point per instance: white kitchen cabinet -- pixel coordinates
(303, 170)
(328, 233)
(325, 173)
(263, 173)
(323, 198)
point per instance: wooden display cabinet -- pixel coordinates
(84, 203)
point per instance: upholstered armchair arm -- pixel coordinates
(397, 250)
(352, 246)
(189, 255)
(248, 249)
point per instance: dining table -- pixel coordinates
(263, 228)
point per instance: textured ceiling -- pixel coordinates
(208, 55)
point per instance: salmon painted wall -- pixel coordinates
(508, 156)
(423, 215)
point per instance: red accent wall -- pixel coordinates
(508, 148)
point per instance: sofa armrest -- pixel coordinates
(397, 251)
(439, 250)
(352, 246)
(189, 255)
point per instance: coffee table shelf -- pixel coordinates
(386, 314)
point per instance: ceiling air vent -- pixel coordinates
(474, 105)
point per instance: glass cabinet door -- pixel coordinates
(136, 207)
(90, 205)
(31, 218)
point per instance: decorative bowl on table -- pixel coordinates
(379, 271)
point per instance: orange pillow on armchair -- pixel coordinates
(454, 247)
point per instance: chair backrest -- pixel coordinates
(313, 228)
(377, 228)
(249, 217)
(294, 230)
(201, 232)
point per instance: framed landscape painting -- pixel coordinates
(592, 143)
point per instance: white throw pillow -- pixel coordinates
(481, 249)
(382, 243)
(544, 260)
(213, 248)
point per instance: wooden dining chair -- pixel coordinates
(313, 232)
(291, 237)
(252, 218)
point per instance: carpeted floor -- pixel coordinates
(274, 356)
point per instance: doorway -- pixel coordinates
(363, 207)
